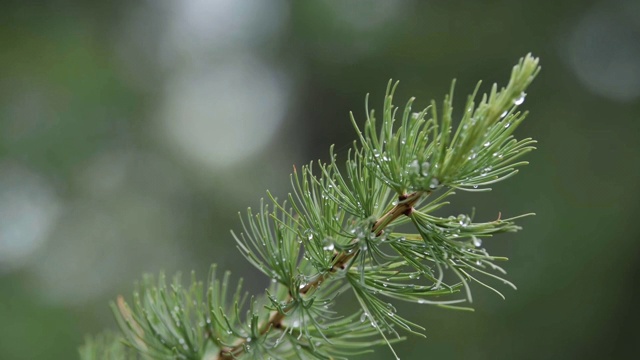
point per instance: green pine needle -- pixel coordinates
(335, 234)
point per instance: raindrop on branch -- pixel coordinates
(520, 99)
(477, 242)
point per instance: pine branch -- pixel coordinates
(338, 232)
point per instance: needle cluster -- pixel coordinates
(367, 226)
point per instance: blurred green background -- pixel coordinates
(131, 133)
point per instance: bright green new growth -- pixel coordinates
(339, 231)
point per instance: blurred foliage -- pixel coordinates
(83, 86)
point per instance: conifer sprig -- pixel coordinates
(368, 228)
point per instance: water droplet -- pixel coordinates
(475, 186)
(425, 168)
(504, 114)
(363, 317)
(477, 242)
(249, 339)
(414, 167)
(422, 301)
(487, 144)
(181, 341)
(464, 220)
(478, 262)
(520, 99)
(506, 125)
(434, 183)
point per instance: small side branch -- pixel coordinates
(404, 207)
